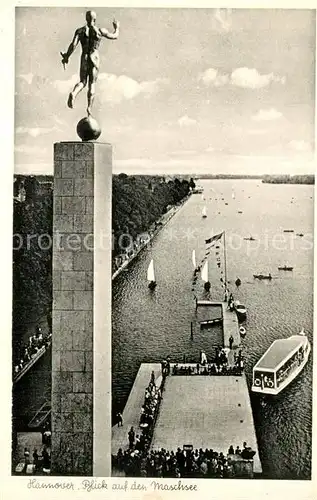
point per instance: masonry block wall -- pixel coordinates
(82, 210)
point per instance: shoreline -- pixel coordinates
(167, 217)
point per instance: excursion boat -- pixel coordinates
(288, 230)
(241, 310)
(286, 268)
(281, 364)
(262, 276)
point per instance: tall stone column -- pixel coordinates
(81, 344)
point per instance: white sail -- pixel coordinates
(194, 259)
(204, 212)
(150, 272)
(204, 272)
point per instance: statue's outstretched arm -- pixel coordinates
(71, 48)
(115, 34)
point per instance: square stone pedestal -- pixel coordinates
(81, 343)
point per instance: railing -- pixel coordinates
(35, 357)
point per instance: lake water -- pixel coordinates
(149, 326)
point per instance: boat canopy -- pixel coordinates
(279, 352)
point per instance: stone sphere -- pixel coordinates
(88, 129)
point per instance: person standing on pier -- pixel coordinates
(131, 436)
(231, 340)
(168, 365)
(119, 419)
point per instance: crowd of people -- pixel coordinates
(152, 399)
(219, 365)
(34, 344)
(38, 463)
(183, 463)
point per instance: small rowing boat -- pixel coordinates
(262, 276)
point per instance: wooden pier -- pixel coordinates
(230, 323)
(230, 326)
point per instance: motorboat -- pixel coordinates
(281, 364)
(250, 238)
(262, 276)
(240, 309)
(285, 268)
(240, 212)
(242, 331)
(238, 282)
(299, 234)
(151, 276)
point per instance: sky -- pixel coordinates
(180, 91)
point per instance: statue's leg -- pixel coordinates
(72, 96)
(80, 85)
(91, 88)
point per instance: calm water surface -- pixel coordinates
(148, 327)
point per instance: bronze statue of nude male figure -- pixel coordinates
(89, 36)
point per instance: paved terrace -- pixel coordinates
(206, 412)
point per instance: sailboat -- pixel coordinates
(204, 276)
(151, 276)
(233, 195)
(196, 268)
(204, 213)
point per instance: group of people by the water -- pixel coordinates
(181, 463)
(40, 462)
(230, 299)
(34, 344)
(219, 365)
(166, 366)
(152, 399)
